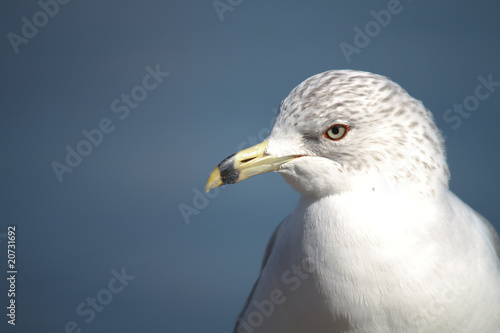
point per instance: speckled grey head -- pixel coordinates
(391, 138)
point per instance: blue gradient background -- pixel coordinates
(120, 206)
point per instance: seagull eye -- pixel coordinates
(336, 132)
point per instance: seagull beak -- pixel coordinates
(245, 164)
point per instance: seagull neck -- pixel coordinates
(349, 233)
(371, 214)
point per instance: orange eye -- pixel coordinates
(336, 132)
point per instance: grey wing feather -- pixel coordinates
(267, 254)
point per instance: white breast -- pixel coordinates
(366, 263)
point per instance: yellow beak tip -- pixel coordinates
(214, 180)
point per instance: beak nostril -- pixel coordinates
(245, 164)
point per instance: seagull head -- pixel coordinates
(345, 130)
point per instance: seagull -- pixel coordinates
(377, 242)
